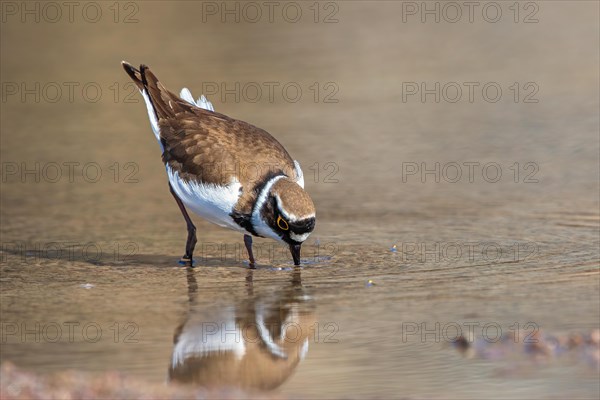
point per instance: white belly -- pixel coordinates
(212, 202)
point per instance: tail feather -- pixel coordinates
(158, 95)
(187, 96)
(160, 102)
(202, 101)
(164, 103)
(134, 74)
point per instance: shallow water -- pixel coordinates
(96, 257)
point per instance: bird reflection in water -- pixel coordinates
(255, 342)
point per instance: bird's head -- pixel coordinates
(289, 214)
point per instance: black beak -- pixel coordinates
(295, 250)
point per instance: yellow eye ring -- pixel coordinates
(282, 223)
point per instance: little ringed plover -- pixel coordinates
(227, 171)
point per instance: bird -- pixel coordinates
(225, 170)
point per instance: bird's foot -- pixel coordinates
(187, 261)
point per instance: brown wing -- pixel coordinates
(213, 148)
(205, 146)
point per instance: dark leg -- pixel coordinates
(248, 243)
(187, 259)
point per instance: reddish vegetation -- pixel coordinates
(18, 384)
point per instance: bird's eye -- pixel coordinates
(282, 223)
